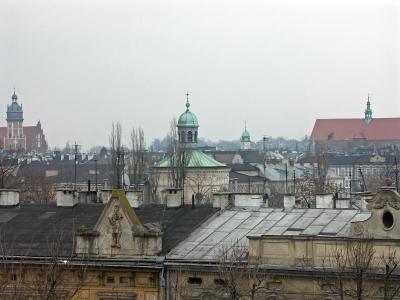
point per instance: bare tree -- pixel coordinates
(117, 155)
(58, 275)
(34, 187)
(238, 277)
(201, 185)
(309, 186)
(153, 180)
(390, 264)
(137, 163)
(179, 157)
(347, 267)
(8, 172)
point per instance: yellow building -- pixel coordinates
(88, 251)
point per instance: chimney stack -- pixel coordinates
(66, 197)
(9, 197)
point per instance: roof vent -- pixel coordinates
(66, 197)
(9, 198)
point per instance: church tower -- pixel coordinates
(15, 138)
(245, 142)
(368, 113)
(187, 127)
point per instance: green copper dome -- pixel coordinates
(195, 159)
(188, 119)
(245, 136)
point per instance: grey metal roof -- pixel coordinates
(235, 224)
(176, 223)
(37, 229)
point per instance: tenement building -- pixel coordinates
(347, 135)
(187, 169)
(18, 137)
(266, 253)
(89, 251)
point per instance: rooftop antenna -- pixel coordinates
(76, 147)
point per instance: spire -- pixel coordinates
(368, 112)
(187, 101)
(245, 125)
(14, 97)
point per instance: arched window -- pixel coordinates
(182, 136)
(190, 137)
(195, 136)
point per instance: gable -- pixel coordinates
(119, 232)
(384, 219)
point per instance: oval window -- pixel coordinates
(387, 219)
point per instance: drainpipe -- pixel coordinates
(167, 287)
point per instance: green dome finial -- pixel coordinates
(188, 119)
(245, 135)
(187, 101)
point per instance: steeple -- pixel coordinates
(245, 142)
(187, 126)
(14, 97)
(368, 112)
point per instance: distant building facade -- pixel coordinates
(18, 137)
(348, 135)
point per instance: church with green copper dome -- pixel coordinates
(245, 142)
(202, 173)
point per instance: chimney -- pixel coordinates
(9, 198)
(105, 195)
(66, 197)
(133, 198)
(324, 201)
(220, 200)
(87, 197)
(288, 201)
(248, 200)
(173, 197)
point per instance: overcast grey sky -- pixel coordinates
(79, 65)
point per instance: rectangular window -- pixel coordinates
(124, 281)
(110, 280)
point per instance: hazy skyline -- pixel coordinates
(80, 65)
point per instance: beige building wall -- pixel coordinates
(197, 180)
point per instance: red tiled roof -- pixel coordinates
(30, 132)
(3, 132)
(349, 129)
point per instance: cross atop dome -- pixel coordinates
(187, 101)
(14, 97)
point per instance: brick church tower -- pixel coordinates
(15, 138)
